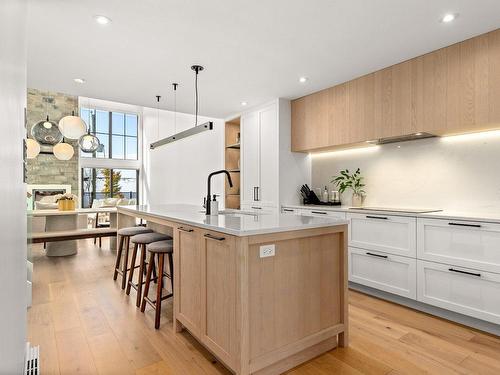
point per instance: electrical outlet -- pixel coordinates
(267, 251)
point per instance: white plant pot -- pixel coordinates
(357, 200)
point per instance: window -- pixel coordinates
(117, 132)
(100, 183)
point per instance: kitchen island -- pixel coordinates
(262, 292)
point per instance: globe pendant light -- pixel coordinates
(46, 132)
(72, 127)
(32, 148)
(63, 151)
(89, 143)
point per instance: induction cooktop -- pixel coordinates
(399, 209)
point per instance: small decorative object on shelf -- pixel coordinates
(66, 202)
(354, 182)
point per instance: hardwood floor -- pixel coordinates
(85, 324)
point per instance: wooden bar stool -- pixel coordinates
(141, 240)
(125, 234)
(159, 248)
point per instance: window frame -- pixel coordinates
(92, 162)
(110, 134)
(82, 190)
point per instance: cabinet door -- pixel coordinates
(390, 273)
(249, 157)
(219, 300)
(323, 213)
(267, 192)
(187, 281)
(463, 290)
(390, 234)
(464, 243)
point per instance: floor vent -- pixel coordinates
(32, 360)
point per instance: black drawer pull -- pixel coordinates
(186, 229)
(287, 210)
(257, 208)
(376, 217)
(319, 212)
(214, 237)
(465, 272)
(466, 225)
(377, 255)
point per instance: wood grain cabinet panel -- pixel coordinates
(189, 275)
(219, 295)
(449, 91)
(361, 109)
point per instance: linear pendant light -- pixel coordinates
(196, 129)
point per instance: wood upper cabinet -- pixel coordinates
(449, 91)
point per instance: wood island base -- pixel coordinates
(259, 315)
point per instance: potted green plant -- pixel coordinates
(345, 180)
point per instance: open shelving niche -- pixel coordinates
(231, 162)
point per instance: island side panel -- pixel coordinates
(296, 297)
(344, 296)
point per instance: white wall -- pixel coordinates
(12, 189)
(456, 173)
(177, 172)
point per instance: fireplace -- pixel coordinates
(38, 192)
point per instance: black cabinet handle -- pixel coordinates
(376, 217)
(186, 229)
(256, 208)
(258, 193)
(319, 212)
(377, 255)
(466, 225)
(255, 193)
(287, 210)
(209, 236)
(464, 272)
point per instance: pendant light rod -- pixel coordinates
(191, 131)
(197, 69)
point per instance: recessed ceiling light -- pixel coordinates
(449, 17)
(102, 20)
(79, 80)
(303, 79)
(244, 103)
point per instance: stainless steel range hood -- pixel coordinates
(404, 138)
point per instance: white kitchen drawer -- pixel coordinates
(322, 213)
(290, 211)
(391, 273)
(258, 208)
(390, 234)
(463, 290)
(464, 243)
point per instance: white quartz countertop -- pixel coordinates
(78, 211)
(491, 216)
(236, 223)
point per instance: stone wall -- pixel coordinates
(46, 169)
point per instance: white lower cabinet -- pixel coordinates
(256, 207)
(318, 212)
(464, 243)
(387, 272)
(386, 233)
(463, 290)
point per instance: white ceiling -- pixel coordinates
(252, 50)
